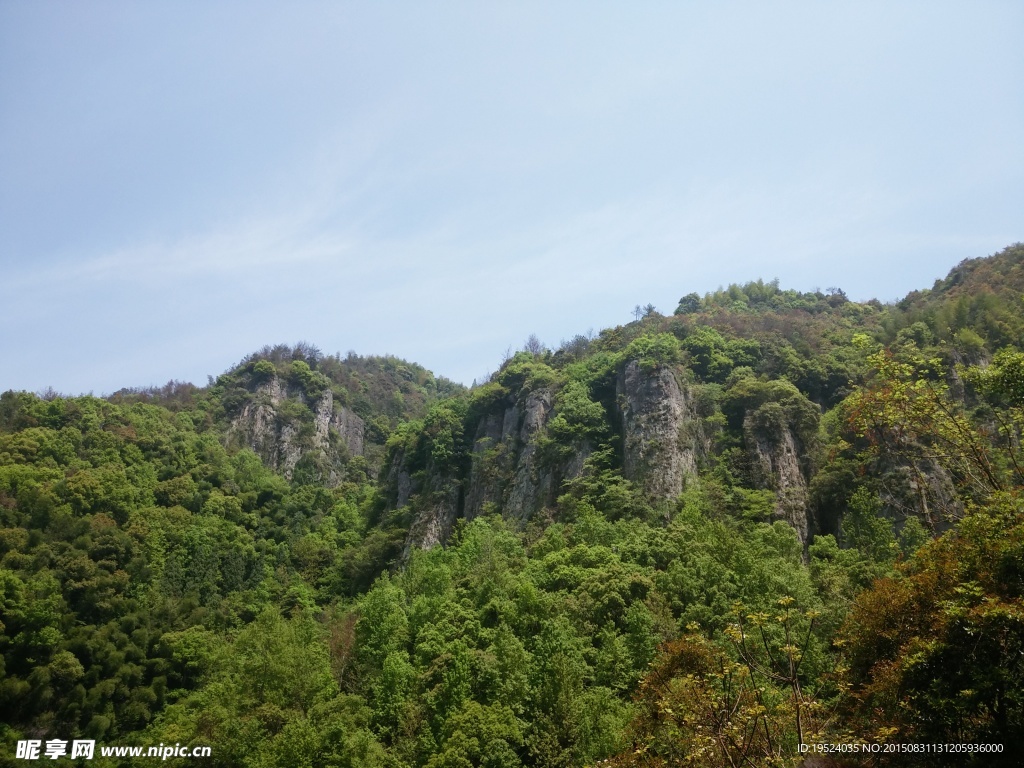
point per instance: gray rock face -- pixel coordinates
(257, 427)
(919, 488)
(437, 498)
(492, 454)
(433, 525)
(777, 466)
(662, 435)
(506, 475)
(664, 440)
(532, 485)
(399, 479)
(350, 428)
(280, 442)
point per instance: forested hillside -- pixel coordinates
(771, 518)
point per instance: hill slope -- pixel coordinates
(771, 517)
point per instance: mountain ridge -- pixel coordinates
(762, 514)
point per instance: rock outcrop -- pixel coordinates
(507, 473)
(283, 435)
(918, 487)
(437, 499)
(492, 454)
(776, 458)
(513, 470)
(662, 434)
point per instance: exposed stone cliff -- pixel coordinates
(437, 497)
(920, 487)
(282, 427)
(776, 456)
(664, 442)
(662, 435)
(506, 474)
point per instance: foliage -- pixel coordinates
(159, 583)
(713, 357)
(935, 651)
(653, 351)
(907, 412)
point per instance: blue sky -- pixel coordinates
(182, 183)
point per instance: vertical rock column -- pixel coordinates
(776, 458)
(659, 444)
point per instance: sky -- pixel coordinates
(182, 183)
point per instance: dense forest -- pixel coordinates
(769, 519)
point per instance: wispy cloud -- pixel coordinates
(440, 184)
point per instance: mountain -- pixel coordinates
(300, 410)
(769, 518)
(734, 384)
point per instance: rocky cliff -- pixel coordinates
(662, 434)
(436, 497)
(664, 442)
(918, 487)
(512, 470)
(776, 456)
(283, 427)
(506, 473)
